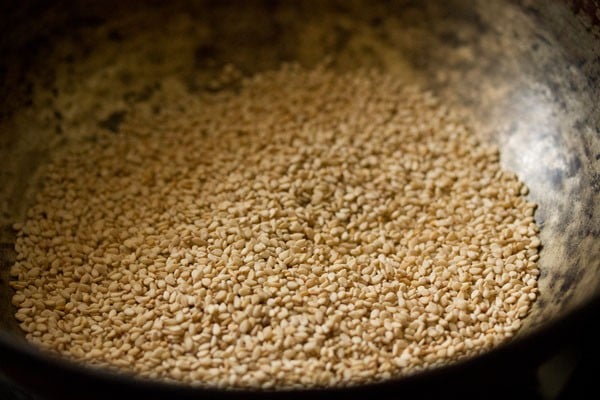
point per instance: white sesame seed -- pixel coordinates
(279, 236)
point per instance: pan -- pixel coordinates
(526, 74)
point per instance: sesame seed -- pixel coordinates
(279, 236)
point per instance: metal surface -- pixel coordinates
(526, 74)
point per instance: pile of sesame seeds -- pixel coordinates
(297, 228)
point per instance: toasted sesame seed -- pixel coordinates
(279, 236)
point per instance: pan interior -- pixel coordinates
(524, 75)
